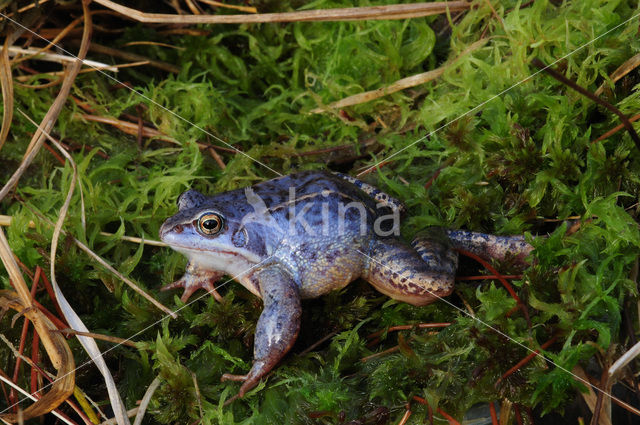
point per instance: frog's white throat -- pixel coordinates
(235, 263)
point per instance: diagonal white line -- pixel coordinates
(372, 167)
(368, 170)
(499, 332)
(98, 69)
(90, 361)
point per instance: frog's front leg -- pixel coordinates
(196, 277)
(416, 276)
(278, 326)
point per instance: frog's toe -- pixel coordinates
(192, 283)
(249, 381)
(232, 377)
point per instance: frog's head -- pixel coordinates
(209, 232)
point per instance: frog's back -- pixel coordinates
(317, 203)
(326, 221)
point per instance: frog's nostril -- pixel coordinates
(178, 228)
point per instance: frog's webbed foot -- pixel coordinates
(277, 328)
(416, 276)
(195, 278)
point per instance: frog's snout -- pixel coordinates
(167, 228)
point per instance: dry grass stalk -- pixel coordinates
(52, 114)
(627, 357)
(119, 53)
(127, 127)
(29, 6)
(59, 36)
(505, 411)
(217, 158)
(55, 57)
(59, 74)
(55, 82)
(130, 413)
(152, 43)
(628, 66)
(114, 339)
(6, 82)
(5, 220)
(16, 353)
(149, 132)
(142, 408)
(136, 240)
(192, 7)
(401, 84)
(404, 83)
(247, 9)
(394, 11)
(119, 275)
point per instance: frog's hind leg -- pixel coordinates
(416, 276)
(491, 246)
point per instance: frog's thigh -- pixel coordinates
(415, 276)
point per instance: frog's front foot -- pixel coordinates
(195, 278)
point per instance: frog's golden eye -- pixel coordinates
(210, 223)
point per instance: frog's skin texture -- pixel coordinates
(304, 235)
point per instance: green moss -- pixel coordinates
(524, 156)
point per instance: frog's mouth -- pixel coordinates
(213, 251)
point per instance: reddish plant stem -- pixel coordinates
(74, 406)
(52, 295)
(59, 323)
(489, 277)
(502, 280)
(407, 327)
(23, 340)
(595, 419)
(405, 417)
(447, 417)
(426, 403)
(492, 411)
(35, 358)
(615, 129)
(516, 409)
(437, 173)
(526, 360)
(54, 153)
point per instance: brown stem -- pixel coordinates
(595, 419)
(625, 121)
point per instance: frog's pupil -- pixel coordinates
(210, 224)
